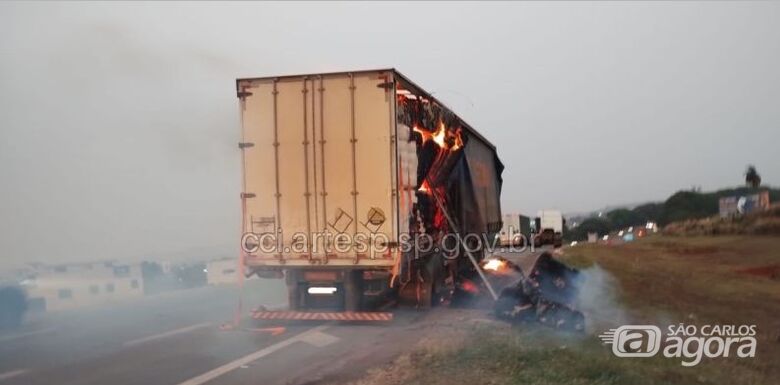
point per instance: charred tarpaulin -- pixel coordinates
(455, 178)
(437, 134)
(547, 294)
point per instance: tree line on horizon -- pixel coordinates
(680, 206)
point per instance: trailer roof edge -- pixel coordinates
(395, 72)
(431, 97)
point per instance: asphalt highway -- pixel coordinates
(179, 338)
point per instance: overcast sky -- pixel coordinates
(119, 122)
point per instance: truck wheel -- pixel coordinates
(353, 290)
(293, 297)
(427, 294)
(293, 291)
(432, 290)
(417, 294)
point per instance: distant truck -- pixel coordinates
(515, 230)
(341, 171)
(549, 227)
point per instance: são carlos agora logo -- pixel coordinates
(634, 340)
(686, 342)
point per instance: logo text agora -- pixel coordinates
(688, 342)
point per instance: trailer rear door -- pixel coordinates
(318, 158)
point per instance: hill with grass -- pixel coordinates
(680, 207)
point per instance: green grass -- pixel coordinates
(693, 278)
(538, 357)
(659, 280)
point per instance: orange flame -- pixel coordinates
(458, 141)
(494, 264)
(469, 286)
(424, 134)
(441, 136)
(424, 187)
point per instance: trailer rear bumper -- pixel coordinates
(323, 316)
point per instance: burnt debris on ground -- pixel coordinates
(546, 293)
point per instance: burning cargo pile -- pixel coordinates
(451, 183)
(546, 292)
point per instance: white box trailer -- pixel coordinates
(549, 228)
(551, 219)
(334, 160)
(515, 230)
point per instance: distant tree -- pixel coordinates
(688, 205)
(622, 218)
(649, 212)
(600, 226)
(752, 179)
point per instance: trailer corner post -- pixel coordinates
(353, 141)
(306, 191)
(277, 194)
(322, 141)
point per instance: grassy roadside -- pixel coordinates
(660, 280)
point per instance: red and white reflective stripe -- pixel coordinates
(323, 316)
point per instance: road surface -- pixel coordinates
(175, 338)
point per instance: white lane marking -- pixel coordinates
(12, 374)
(230, 366)
(26, 334)
(320, 339)
(185, 329)
(167, 334)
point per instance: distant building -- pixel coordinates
(58, 287)
(739, 205)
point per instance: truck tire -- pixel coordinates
(557, 241)
(293, 297)
(427, 294)
(433, 288)
(353, 290)
(418, 294)
(293, 290)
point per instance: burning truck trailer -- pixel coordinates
(352, 183)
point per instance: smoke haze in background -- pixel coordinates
(119, 121)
